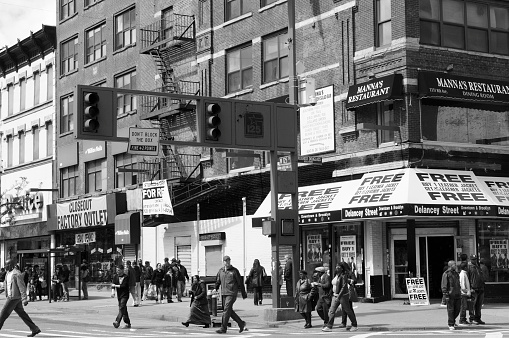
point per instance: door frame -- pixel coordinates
(395, 237)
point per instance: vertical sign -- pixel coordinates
(314, 248)
(417, 291)
(156, 198)
(347, 248)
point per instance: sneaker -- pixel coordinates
(220, 331)
(326, 329)
(242, 327)
(443, 305)
(481, 322)
(116, 325)
(452, 328)
(354, 328)
(342, 326)
(465, 323)
(475, 322)
(127, 326)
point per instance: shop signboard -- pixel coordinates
(417, 294)
(499, 189)
(375, 90)
(156, 198)
(85, 212)
(85, 238)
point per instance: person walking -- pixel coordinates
(85, 278)
(476, 278)
(137, 286)
(465, 293)
(341, 297)
(230, 280)
(199, 312)
(65, 282)
(351, 278)
(182, 277)
(451, 288)
(3, 273)
(16, 298)
(288, 275)
(122, 288)
(147, 278)
(167, 284)
(256, 278)
(142, 278)
(324, 294)
(304, 292)
(132, 282)
(157, 280)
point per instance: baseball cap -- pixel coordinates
(321, 269)
(473, 257)
(226, 258)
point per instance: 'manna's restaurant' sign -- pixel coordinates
(376, 90)
(446, 86)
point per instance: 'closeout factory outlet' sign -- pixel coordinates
(86, 212)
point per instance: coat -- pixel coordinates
(199, 291)
(123, 290)
(256, 276)
(230, 282)
(304, 293)
(451, 284)
(17, 288)
(157, 277)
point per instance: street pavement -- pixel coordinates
(101, 309)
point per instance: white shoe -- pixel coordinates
(326, 329)
(354, 328)
(452, 328)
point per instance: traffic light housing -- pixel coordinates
(95, 117)
(216, 122)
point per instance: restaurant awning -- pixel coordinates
(127, 228)
(317, 203)
(414, 193)
(380, 89)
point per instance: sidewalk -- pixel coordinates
(385, 316)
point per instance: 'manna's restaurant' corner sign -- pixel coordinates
(377, 90)
(447, 86)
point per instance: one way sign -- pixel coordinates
(143, 141)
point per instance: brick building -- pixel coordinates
(412, 108)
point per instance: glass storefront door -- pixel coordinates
(399, 266)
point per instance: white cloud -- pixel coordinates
(19, 17)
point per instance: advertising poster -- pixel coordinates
(417, 294)
(156, 198)
(317, 124)
(347, 247)
(498, 253)
(314, 248)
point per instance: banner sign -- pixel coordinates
(417, 294)
(347, 248)
(447, 86)
(156, 198)
(317, 124)
(376, 90)
(85, 238)
(499, 188)
(85, 212)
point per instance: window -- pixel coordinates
(466, 25)
(126, 102)
(386, 117)
(90, 2)
(93, 176)
(49, 139)
(66, 114)
(21, 148)
(22, 94)
(35, 142)
(383, 23)
(37, 88)
(125, 29)
(68, 181)
(125, 161)
(236, 8)
(493, 242)
(167, 23)
(49, 82)
(10, 146)
(239, 66)
(10, 100)
(243, 163)
(67, 8)
(267, 2)
(95, 43)
(275, 58)
(69, 56)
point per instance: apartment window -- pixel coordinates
(267, 2)
(235, 8)
(49, 139)
(69, 55)
(125, 161)
(167, 23)
(66, 114)
(35, 142)
(239, 66)
(386, 117)
(10, 100)
(67, 8)
(93, 176)
(125, 29)
(22, 94)
(95, 43)
(90, 2)
(126, 102)
(49, 82)
(68, 181)
(383, 22)
(37, 88)
(21, 147)
(475, 26)
(10, 147)
(275, 58)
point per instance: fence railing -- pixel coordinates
(170, 167)
(177, 27)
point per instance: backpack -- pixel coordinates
(85, 277)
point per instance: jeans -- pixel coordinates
(84, 288)
(477, 301)
(122, 311)
(16, 305)
(228, 312)
(181, 285)
(344, 314)
(56, 291)
(137, 292)
(258, 295)
(289, 288)
(344, 301)
(132, 291)
(453, 310)
(65, 286)
(146, 287)
(322, 308)
(463, 309)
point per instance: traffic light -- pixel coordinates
(213, 121)
(216, 122)
(95, 117)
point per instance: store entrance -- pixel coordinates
(434, 254)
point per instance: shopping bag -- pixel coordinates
(152, 292)
(352, 293)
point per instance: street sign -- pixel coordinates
(143, 141)
(310, 159)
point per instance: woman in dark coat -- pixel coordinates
(157, 280)
(199, 313)
(304, 294)
(256, 277)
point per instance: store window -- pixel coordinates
(493, 243)
(316, 244)
(349, 248)
(386, 118)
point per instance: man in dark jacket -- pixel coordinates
(132, 282)
(182, 276)
(476, 278)
(147, 278)
(121, 285)
(324, 294)
(451, 289)
(137, 278)
(288, 277)
(230, 281)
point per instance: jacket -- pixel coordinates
(325, 287)
(475, 276)
(464, 284)
(199, 291)
(147, 273)
(288, 270)
(451, 284)
(123, 290)
(157, 276)
(256, 276)
(305, 292)
(132, 276)
(17, 288)
(230, 281)
(342, 285)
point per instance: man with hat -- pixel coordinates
(230, 280)
(476, 278)
(324, 294)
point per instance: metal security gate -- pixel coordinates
(184, 254)
(129, 252)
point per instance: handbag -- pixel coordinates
(352, 293)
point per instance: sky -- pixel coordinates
(19, 17)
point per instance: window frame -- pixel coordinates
(36, 132)
(10, 99)
(49, 138)
(379, 24)
(101, 47)
(121, 106)
(10, 150)
(125, 161)
(67, 176)
(243, 5)
(21, 147)
(66, 4)
(65, 60)
(94, 169)
(241, 69)
(49, 82)
(131, 29)
(264, 3)
(279, 57)
(22, 94)
(67, 119)
(37, 87)
(386, 136)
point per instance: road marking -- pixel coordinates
(494, 335)
(365, 335)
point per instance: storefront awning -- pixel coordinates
(128, 228)
(317, 203)
(452, 87)
(377, 90)
(415, 193)
(499, 190)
